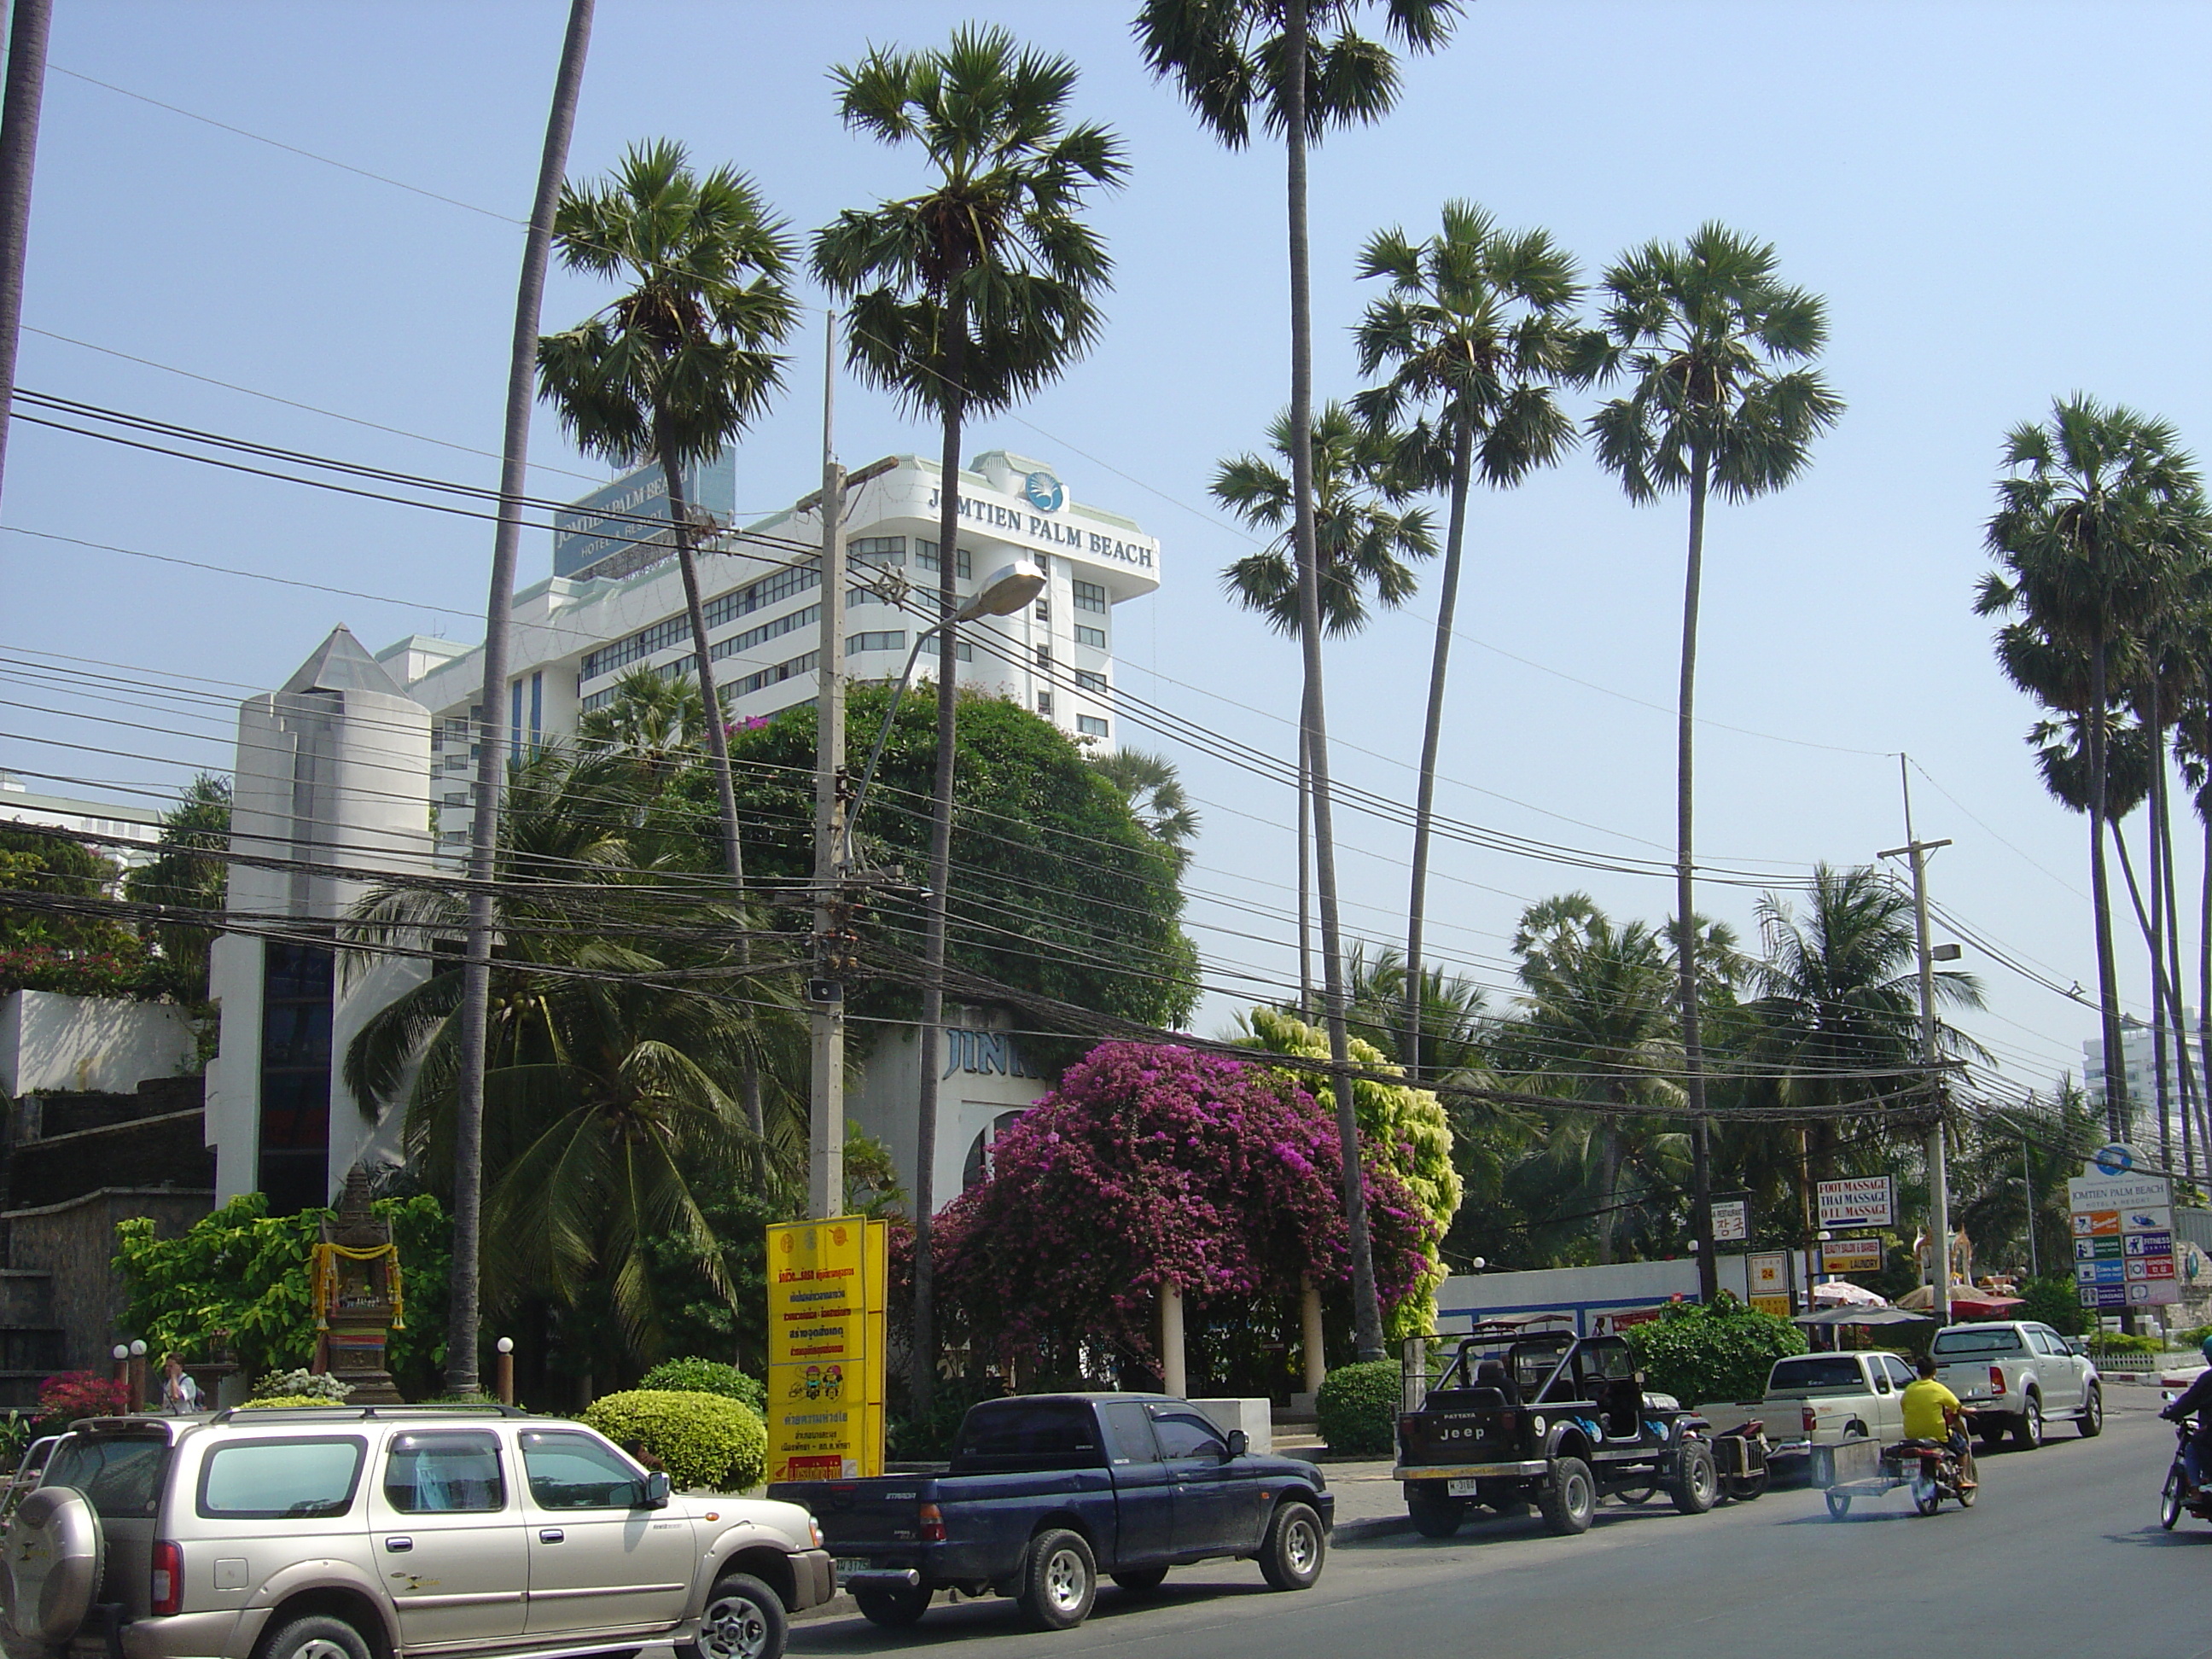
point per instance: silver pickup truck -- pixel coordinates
(1820, 1399)
(2013, 1378)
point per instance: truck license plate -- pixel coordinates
(1464, 1487)
(850, 1564)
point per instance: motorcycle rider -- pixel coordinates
(1932, 1412)
(2197, 1455)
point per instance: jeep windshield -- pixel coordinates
(1529, 1361)
(1975, 1340)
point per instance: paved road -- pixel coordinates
(2062, 1556)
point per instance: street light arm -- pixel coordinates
(882, 736)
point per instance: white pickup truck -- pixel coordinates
(2013, 1376)
(1819, 1399)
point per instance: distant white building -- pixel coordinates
(140, 826)
(2140, 1073)
(357, 758)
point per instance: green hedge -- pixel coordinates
(1721, 1351)
(1359, 1407)
(696, 1375)
(702, 1440)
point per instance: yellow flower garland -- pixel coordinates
(325, 1280)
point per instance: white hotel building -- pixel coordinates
(354, 761)
(576, 637)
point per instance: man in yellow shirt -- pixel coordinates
(1931, 1413)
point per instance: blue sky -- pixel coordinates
(2003, 203)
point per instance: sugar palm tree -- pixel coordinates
(655, 723)
(1703, 330)
(1305, 68)
(965, 299)
(1359, 534)
(1477, 331)
(1154, 791)
(2095, 508)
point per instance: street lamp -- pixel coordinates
(1007, 591)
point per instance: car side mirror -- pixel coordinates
(656, 1490)
(1239, 1444)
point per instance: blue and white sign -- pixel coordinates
(1043, 492)
(2113, 1159)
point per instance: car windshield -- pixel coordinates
(1977, 1339)
(1816, 1373)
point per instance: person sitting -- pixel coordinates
(1932, 1412)
(2196, 1399)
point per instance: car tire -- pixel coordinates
(1434, 1515)
(1567, 1497)
(2091, 1422)
(1292, 1554)
(1747, 1488)
(1696, 1484)
(894, 1609)
(1839, 1505)
(2027, 1427)
(1060, 1580)
(318, 1636)
(744, 1618)
(1141, 1581)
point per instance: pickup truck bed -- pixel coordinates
(1139, 1483)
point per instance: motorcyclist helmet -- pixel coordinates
(2207, 1346)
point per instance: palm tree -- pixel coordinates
(1154, 791)
(1228, 56)
(964, 300)
(1702, 331)
(1478, 328)
(656, 724)
(2094, 508)
(462, 1329)
(189, 869)
(1454, 1025)
(1360, 536)
(1596, 1023)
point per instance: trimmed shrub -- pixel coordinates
(702, 1440)
(696, 1375)
(1699, 1353)
(64, 1398)
(1359, 1407)
(295, 1387)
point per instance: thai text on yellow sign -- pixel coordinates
(826, 1293)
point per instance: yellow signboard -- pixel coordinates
(826, 1293)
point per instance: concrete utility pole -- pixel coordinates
(1939, 1186)
(18, 153)
(825, 1135)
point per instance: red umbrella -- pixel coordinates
(1981, 1305)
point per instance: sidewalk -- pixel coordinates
(1369, 1503)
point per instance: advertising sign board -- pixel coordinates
(1851, 1255)
(1731, 1220)
(826, 1292)
(1860, 1202)
(1767, 1278)
(2123, 1223)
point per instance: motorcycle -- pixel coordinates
(1740, 1455)
(1935, 1472)
(2176, 1500)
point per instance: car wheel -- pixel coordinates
(1140, 1581)
(1291, 1554)
(1434, 1514)
(1696, 1486)
(743, 1619)
(2092, 1420)
(895, 1608)
(1568, 1497)
(1059, 1581)
(1839, 1505)
(1746, 1488)
(318, 1636)
(2027, 1427)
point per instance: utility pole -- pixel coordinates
(825, 1133)
(1939, 1186)
(19, 152)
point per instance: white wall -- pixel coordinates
(1582, 1293)
(61, 1043)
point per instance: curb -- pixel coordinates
(1373, 1526)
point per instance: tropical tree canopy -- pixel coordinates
(189, 869)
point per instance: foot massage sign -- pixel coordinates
(826, 1292)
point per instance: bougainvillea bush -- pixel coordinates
(1152, 1164)
(1406, 1130)
(66, 1398)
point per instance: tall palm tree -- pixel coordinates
(655, 723)
(1703, 330)
(1154, 791)
(2094, 508)
(964, 300)
(1306, 69)
(462, 1323)
(1596, 1023)
(1359, 535)
(1477, 329)
(1454, 1022)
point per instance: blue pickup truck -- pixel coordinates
(1046, 1492)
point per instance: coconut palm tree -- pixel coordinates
(1478, 330)
(1305, 68)
(965, 299)
(1703, 331)
(2095, 508)
(1359, 535)
(1454, 1022)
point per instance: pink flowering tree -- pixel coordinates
(1152, 1164)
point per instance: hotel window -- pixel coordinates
(1087, 680)
(925, 554)
(1044, 658)
(1093, 637)
(1044, 704)
(1090, 596)
(1090, 726)
(293, 1148)
(876, 549)
(894, 640)
(966, 653)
